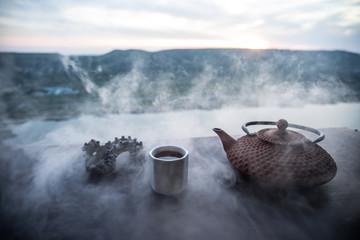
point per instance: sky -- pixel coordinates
(100, 26)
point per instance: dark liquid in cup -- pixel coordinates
(168, 155)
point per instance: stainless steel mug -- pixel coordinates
(169, 169)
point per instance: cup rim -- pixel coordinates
(168, 147)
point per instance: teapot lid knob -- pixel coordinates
(282, 124)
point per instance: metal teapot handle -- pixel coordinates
(313, 130)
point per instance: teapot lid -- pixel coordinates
(281, 135)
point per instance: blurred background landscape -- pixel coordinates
(147, 59)
(151, 94)
(58, 87)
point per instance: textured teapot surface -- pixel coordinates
(297, 162)
(303, 166)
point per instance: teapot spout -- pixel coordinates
(226, 139)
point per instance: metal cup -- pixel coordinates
(169, 169)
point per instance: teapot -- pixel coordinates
(279, 157)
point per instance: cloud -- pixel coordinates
(336, 15)
(162, 24)
(120, 18)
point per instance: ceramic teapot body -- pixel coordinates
(279, 157)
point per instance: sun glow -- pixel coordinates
(255, 43)
(249, 42)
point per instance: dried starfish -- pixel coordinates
(101, 159)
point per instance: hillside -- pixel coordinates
(52, 85)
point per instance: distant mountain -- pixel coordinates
(54, 86)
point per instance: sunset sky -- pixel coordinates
(96, 27)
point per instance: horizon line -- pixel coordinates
(182, 49)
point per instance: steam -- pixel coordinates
(74, 70)
(47, 181)
(65, 203)
(280, 81)
(46, 193)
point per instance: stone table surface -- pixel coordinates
(52, 197)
